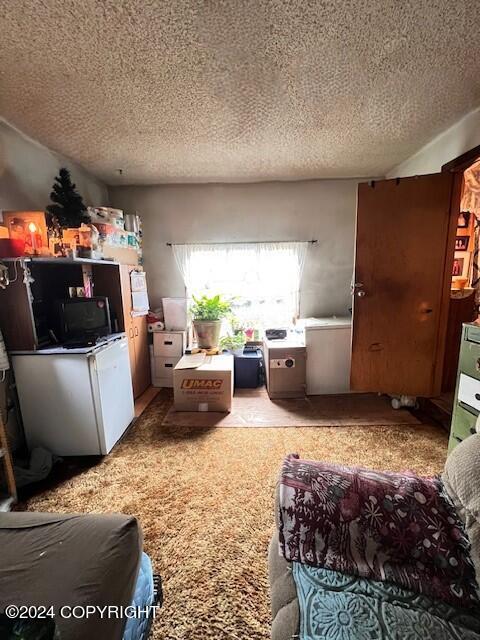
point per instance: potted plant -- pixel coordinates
(234, 343)
(207, 314)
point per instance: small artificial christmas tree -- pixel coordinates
(68, 209)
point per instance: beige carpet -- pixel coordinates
(253, 408)
(204, 498)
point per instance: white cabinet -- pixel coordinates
(75, 402)
(168, 344)
(328, 343)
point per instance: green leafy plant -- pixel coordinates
(238, 326)
(231, 343)
(209, 309)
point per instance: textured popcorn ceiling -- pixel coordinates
(237, 90)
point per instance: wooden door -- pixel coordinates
(141, 380)
(403, 261)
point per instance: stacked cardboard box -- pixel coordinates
(203, 383)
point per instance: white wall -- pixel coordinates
(461, 137)
(28, 169)
(27, 172)
(319, 209)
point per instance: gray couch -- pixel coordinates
(461, 478)
(70, 561)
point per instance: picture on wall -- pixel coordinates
(461, 243)
(463, 220)
(461, 264)
(457, 267)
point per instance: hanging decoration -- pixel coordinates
(471, 203)
(471, 190)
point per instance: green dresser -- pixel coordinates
(467, 393)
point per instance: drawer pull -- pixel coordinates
(458, 439)
(477, 396)
(169, 342)
(473, 431)
(168, 364)
(477, 364)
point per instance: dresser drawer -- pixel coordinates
(463, 426)
(162, 383)
(469, 392)
(472, 333)
(168, 345)
(469, 362)
(163, 367)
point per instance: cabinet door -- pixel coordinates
(142, 357)
(129, 330)
(125, 270)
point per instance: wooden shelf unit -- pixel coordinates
(26, 305)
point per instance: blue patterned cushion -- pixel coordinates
(334, 606)
(136, 628)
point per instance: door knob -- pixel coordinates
(361, 293)
(357, 287)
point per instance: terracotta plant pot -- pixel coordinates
(208, 333)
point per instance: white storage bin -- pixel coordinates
(169, 344)
(175, 313)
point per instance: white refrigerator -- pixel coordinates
(328, 344)
(75, 402)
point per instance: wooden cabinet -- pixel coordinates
(136, 330)
(27, 305)
(141, 374)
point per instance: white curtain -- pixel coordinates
(263, 279)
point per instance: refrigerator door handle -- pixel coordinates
(91, 357)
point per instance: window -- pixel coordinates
(263, 279)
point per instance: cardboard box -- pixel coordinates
(203, 383)
(123, 255)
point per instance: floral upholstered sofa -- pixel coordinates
(365, 555)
